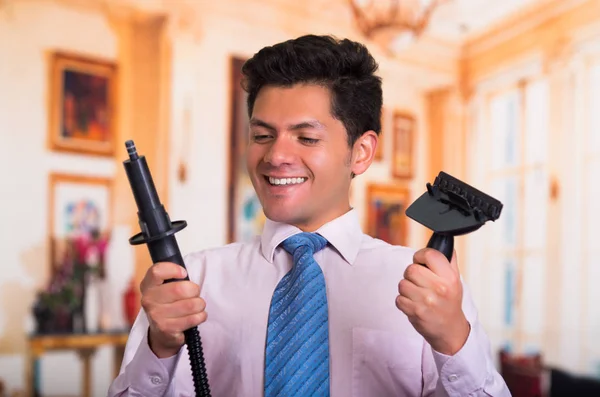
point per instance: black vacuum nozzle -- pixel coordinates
(451, 208)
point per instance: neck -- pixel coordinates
(313, 225)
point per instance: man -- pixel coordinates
(312, 306)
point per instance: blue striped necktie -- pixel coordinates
(297, 352)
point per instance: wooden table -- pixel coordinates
(84, 344)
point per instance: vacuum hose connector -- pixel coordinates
(158, 233)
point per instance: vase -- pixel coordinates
(91, 309)
(130, 303)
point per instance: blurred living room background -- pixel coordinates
(504, 95)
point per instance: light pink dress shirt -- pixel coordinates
(374, 350)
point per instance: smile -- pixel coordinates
(285, 181)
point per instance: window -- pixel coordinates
(506, 258)
(590, 323)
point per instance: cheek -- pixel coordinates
(318, 162)
(327, 165)
(318, 165)
(252, 157)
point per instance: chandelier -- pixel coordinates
(396, 22)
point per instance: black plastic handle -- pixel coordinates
(443, 243)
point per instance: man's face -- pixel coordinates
(298, 156)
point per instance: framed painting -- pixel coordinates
(245, 215)
(78, 205)
(386, 218)
(403, 134)
(82, 108)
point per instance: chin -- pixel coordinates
(283, 215)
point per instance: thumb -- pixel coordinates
(454, 262)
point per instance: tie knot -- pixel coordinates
(315, 242)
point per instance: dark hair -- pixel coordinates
(344, 66)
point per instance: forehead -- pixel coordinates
(298, 101)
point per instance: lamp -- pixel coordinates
(395, 22)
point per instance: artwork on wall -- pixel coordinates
(245, 215)
(82, 105)
(403, 134)
(79, 206)
(79, 219)
(386, 218)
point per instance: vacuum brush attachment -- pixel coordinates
(451, 208)
(158, 233)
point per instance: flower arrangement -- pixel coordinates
(59, 307)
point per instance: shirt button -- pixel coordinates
(155, 380)
(453, 378)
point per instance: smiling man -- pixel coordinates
(312, 306)
(299, 159)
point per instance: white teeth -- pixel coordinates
(286, 181)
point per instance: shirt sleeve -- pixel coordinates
(471, 371)
(142, 372)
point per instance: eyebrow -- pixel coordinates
(313, 124)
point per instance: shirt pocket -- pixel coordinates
(385, 363)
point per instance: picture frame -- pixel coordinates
(245, 217)
(385, 212)
(77, 204)
(403, 135)
(82, 104)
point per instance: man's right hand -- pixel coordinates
(171, 307)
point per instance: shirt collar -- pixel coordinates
(343, 233)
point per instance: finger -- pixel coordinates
(161, 271)
(405, 305)
(411, 291)
(173, 292)
(174, 326)
(436, 262)
(181, 308)
(421, 276)
(454, 262)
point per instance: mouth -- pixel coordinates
(291, 181)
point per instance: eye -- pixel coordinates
(261, 138)
(309, 141)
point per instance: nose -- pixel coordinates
(281, 152)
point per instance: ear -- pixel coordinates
(363, 152)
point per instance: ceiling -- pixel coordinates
(455, 20)
(452, 22)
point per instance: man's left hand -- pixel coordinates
(431, 297)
